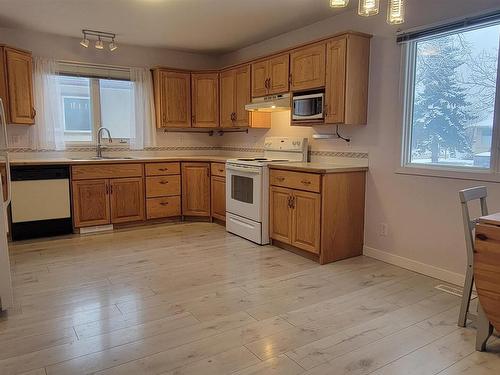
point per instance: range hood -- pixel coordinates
(272, 103)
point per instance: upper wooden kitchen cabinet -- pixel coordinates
(205, 100)
(172, 91)
(307, 67)
(195, 189)
(16, 85)
(271, 76)
(346, 86)
(234, 95)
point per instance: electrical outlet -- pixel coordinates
(383, 229)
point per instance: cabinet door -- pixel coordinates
(279, 74)
(242, 96)
(308, 68)
(219, 197)
(259, 78)
(205, 100)
(306, 220)
(90, 203)
(20, 86)
(173, 99)
(227, 98)
(127, 199)
(280, 214)
(196, 189)
(335, 81)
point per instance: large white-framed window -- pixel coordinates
(93, 96)
(451, 99)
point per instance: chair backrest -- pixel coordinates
(467, 196)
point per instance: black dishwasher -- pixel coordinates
(40, 204)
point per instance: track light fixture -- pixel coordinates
(366, 8)
(85, 42)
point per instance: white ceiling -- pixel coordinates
(207, 26)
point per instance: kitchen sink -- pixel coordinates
(105, 158)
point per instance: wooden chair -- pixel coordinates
(466, 196)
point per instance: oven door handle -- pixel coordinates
(243, 169)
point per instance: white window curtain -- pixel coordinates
(48, 131)
(143, 125)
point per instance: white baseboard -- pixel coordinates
(413, 265)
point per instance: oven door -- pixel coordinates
(243, 191)
(308, 107)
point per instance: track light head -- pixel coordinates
(112, 46)
(85, 42)
(99, 44)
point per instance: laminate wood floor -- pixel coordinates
(192, 299)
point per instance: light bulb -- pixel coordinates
(98, 44)
(112, 46)
(368, 7)
(396, 12)
(339, 3)
(85, 42)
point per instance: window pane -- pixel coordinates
(77, 111)
(454, 99)
(116, 107)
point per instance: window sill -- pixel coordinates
(456, 174)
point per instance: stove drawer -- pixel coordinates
(295, 180)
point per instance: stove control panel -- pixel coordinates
(293, 144)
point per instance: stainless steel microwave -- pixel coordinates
(308, 107)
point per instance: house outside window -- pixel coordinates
(451, 100)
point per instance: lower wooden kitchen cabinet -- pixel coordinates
(321, 214)
(163, 190)
(99, 198)
(196, 189)
(218, 191)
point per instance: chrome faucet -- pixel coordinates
(99, 147)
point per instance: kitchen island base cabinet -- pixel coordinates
(320, 215)
(196, 189)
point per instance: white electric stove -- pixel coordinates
(247, 187)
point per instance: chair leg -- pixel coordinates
(467, 292)
(484, 330)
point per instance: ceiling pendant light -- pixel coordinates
(98, 44)
(396, 12)
(339, 3)
(84, 42)
(112, 46)
(368, 7)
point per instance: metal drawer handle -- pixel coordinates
(164, 203)
(163, 182)
(163, 169)
(281, 179)
(305, 182)
(221, 170)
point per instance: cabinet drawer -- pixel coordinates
(296, 180)
(162, 169)
(219, 169)
(163, 207)
(90, 172)
(160, 186)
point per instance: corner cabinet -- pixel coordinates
(346, 86)
(16, 85)
(320, 214)
(172, 94)
(195, 189)
(205, 100)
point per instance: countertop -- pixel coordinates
(318, 167)
(140, 159)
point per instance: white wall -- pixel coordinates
(66, 48)
(423, 213)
